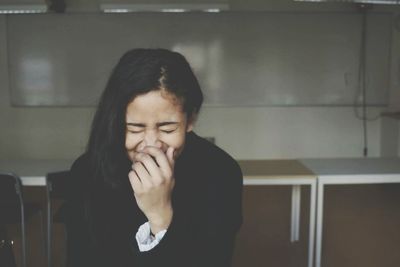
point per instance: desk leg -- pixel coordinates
(313, 192)
(295, 223)
(320, 212)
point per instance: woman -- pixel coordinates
(151, 192)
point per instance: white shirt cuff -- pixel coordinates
(144, 238)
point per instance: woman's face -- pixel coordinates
(155, 119)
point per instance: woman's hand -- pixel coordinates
(152, 182)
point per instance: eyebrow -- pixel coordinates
(160, 124)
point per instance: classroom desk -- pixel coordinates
(348, 171)
(285, 172)
(33, 172)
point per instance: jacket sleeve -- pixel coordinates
(205, 239)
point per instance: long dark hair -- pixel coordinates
(139, 71)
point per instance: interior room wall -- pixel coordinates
(245, 132)
(394, 103)
(390, 130)
(37, 133)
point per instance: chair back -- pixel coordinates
(58, 184)
(12, 205)
(10, 189)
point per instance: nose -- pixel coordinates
(151, 139)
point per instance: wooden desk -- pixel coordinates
(348, 171)
(286, 172)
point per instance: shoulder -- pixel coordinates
(81, 165)
(213, 158)
(81, 172)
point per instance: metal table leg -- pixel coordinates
(295, 217)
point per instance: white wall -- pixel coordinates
(251, 133)
(295, 132)
(398, 143)
(394, 103)
(390, 132)
(38, 133)
(389, 136)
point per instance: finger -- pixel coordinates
(149, 164)
(135, 182)
(142, 174)
(138, 163)
(161, 159)
(170, 155)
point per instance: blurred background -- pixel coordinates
(282, 79)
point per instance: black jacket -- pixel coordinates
(102, 221)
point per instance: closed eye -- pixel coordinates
(135, 131)
(168, 131)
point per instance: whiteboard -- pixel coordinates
(240, 58)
